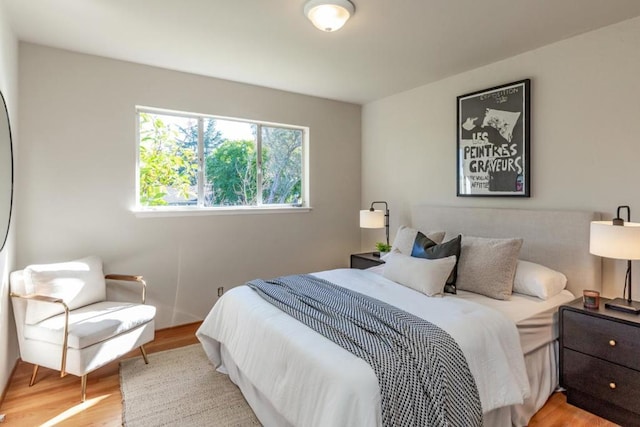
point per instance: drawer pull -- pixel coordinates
(612, 343)
(612, 386)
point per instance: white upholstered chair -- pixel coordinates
(65, 323)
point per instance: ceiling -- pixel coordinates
(389, 46)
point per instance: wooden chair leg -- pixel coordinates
(144, 355)
(33, 375)
(83, 387)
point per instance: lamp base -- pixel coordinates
(621, 304)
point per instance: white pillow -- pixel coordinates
(406, 236)
(423, 275)
(77, 283)
(537, 280)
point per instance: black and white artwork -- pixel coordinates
(493, 141)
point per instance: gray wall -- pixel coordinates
(9, 88)
(77, 180)
(76, 165)
(584, 137)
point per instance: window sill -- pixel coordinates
(235, 210)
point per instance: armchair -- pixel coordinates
(65, 323)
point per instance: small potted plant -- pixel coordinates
(383, 248)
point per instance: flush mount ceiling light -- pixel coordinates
(329, 15)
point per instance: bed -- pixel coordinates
(291, 375)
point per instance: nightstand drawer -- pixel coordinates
(606, 381)
(606, 339)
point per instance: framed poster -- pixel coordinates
(493, 141)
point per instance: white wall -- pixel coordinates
(9, 88)
(77, 175)
(585, 145)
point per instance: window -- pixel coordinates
(196, 161)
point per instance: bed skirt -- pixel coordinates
(542, 370)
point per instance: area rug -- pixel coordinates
(180, 388)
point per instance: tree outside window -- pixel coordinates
(204, 161)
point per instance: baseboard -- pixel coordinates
(184, 325)
(6, 386)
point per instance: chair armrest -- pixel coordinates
(130, 278)
(124, 277)
(38, 297)
(65, 336)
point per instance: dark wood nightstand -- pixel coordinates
(365, 260)
(600, 361)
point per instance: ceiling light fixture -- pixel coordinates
(329, 15)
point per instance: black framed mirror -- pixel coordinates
(6, 173)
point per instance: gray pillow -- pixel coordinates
(488, 266)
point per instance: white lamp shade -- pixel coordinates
(615, 241)
(371, 219)
(328, 15)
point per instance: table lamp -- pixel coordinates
(619, 240)
(373, 218)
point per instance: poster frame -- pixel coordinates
(520, 131)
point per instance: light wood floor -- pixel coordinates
(56, 401)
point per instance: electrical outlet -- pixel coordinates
(220, 291)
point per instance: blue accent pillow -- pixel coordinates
(423, 247)
(420, 244)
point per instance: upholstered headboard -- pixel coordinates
(557, 239)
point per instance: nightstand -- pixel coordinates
(600, 361)
(365, 260)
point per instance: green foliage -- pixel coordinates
(211, 136)
(282, 182)
(164, 162)
(168, 164)
(231, 171)
(383, 247)
(187, 137)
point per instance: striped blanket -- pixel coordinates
(423, 375)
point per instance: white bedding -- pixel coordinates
(535, 319)
(312, 381)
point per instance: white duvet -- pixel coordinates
(312, 381)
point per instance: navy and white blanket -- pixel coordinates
(423, 376)
(303, 378)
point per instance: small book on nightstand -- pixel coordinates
(624, 305)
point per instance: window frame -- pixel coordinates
(199, 208)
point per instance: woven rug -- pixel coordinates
(180, 388)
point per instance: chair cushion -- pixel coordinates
(92, 324)
(77, 283)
